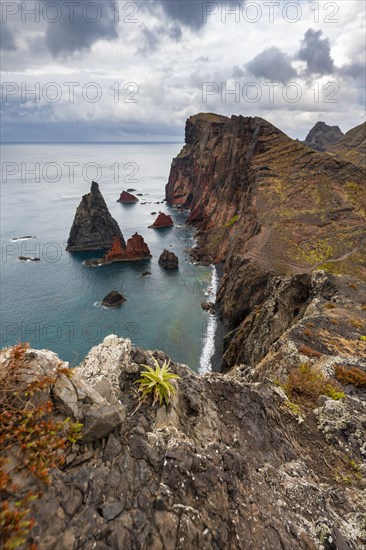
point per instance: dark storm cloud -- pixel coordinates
(7, 40)
(272, 64)
(80, 27)
(152, 37)
(315, 51)
(192, 13)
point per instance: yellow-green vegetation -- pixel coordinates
(232, 221)
(349, 473)
(313, 253)
(295, 409)
(351, 185)
(363, 338)
(305, 384)
(157, 382)
(32, 443)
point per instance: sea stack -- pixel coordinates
(93, 227)
(163, 220)
(168, 260)
(126, 197)
(135, 250)
(113, 299)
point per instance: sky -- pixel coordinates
(104, 70)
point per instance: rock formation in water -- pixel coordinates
(135, 250)
(93, 227)
(268, 207)
(113, 299)
(229, 464)
(322, 136)
(163, 220)
(126, 197)
(168, 260)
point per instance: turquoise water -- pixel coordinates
(55, 303)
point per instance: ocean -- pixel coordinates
(56, 303)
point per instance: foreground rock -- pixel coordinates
(113, 299)
(93, 227)
(322, 136)
(126, 197)
(168, 260)
(226, 465)
(163, 220)
(135, 250)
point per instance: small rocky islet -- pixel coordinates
(270, 452)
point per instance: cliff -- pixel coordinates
(322, 136)
(229, 464)
(267, 206)
(93, 227)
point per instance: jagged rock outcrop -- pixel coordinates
(135, 250)
(226, 465)
(266, 206)
(113, 299)
(322, 136)
(168, 260)
(93, 227)
(127, 197)
(352, 147)
(163, 220)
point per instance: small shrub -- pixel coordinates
(157, 382)
(295, 409)
(308, 384)
(32, 442)
(329, 305)
(352, 375)
(309, 352)
(363, 338)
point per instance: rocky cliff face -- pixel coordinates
(352, 147)
(322, 136)
(93, 227)
(229, 464)
(267, 206)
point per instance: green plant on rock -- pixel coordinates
(157, 382)
(232, 221)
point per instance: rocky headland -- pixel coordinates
(93, 227)
(135, 250)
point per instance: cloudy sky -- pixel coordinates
(109, 70)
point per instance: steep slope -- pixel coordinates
(228, 465)
(322, 136)
(352, 147)
(267, 206)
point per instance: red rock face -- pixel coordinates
(127, 197)
(136, 249)
(163, 220)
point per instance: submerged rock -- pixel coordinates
(135, 250)
(93, 227)
(163, 220)
(113, 299)
(168, 260)
(125, 196)
(27, 259)
(145, 273)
